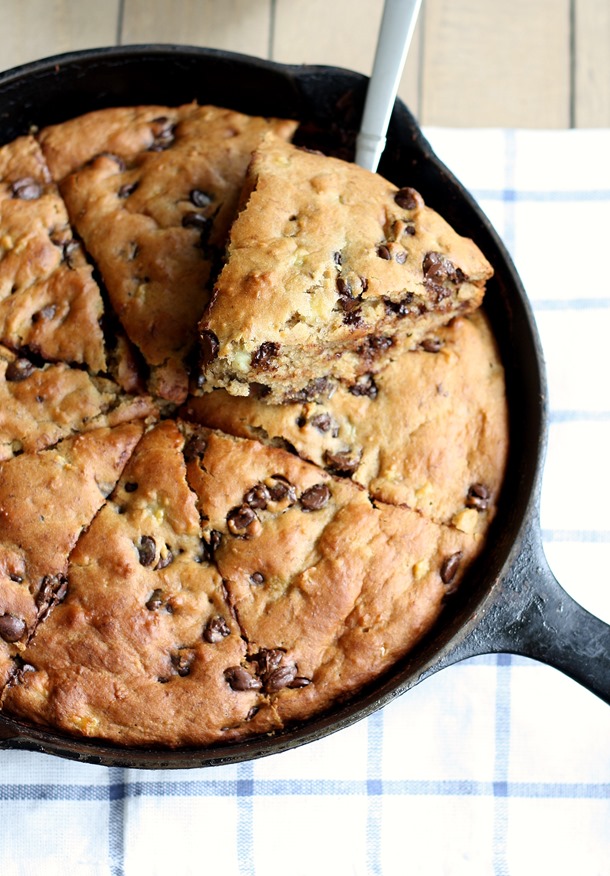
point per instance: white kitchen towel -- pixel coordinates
(499, 765)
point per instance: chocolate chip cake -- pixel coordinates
(329, 266)
(180, 565)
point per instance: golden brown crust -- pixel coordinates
(40, 406)
(323, 257)
(165, 583)
(422, 432)
(154, 218)
(49, 301)
(47, 500)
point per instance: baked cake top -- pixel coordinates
(154, 215)
(323, 256)
(49, 301)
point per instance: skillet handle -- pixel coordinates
(533, 616)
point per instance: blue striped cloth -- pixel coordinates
(496, 766)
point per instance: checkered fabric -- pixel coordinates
(498, 765)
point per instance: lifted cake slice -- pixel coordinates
(49, 301)
(325, 262)
(154, 218)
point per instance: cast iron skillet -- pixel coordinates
(510, 601)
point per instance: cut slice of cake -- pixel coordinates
(328, 267)
(428, 431)
(42, 404)
(49, 302)
(47, 499)
(154, 217)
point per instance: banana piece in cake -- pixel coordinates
(46, 500)
(49, 301)
(328, 267)
(154, 215)
(429, 430)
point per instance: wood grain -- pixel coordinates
(591, 64)
(33, 29)
(234, 25)
(504, 63)
(472, 63)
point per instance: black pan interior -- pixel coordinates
(328, 101)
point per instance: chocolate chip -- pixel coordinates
(401, 256)
(376, 344)
(200, 198)
(313, 391)
(216, 630)
(365, 386)
(19, 369)
(11, 627)
(257, 578)
(344, 287)
(299, 681)
(281, 677)
(342, 463)
(127, 190)
(45, 313)
(450, 567)
(438, 268)
(209, 347)
(182, 662)
(215, 540)
(166, 559)
(281, 490)
(406, 198)
(195, 448)
(315, 497)
(478, 497)
(266, 660)
(16, 578)
(432, 345)
(338, 258)
(155, 600)
(163, 132)
(131, 487)
(404, 307)
(322, 422)
(265, 353)
(195, 220)
(147, 550)
(26, 189)
(53, 590)
(349, 305)
(257, 497)
(240, 679)
(383, 252)
(239, 519)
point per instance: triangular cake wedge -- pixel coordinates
(329, 266)
(49, 301)
(42, 404)
(329, 588)
(47, 500)
(154, 218)
(137, 650)
(430, 430)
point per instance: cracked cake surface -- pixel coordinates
(428, 430)
(49, 301)
(219, 521)
(326, 260)
(154, 215)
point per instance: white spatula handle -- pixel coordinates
(395, 34)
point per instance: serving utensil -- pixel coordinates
(395, 34)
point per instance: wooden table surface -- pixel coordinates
(473, 63)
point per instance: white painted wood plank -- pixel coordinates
(592, 64)
(33, 29)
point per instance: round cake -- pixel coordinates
(213, 527)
